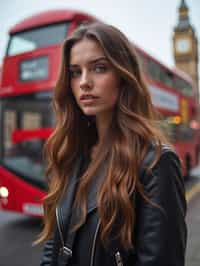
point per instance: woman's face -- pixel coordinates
(94, 82)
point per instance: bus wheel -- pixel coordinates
(187, 167)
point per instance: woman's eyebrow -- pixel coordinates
(90, 62)
(97, 60)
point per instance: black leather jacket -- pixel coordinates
(160, 235)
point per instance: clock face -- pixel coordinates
(182, 45)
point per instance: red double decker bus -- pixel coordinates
(29, 72)
(174, 94)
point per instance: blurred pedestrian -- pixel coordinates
(116, 195)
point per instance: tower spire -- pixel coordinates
(183, 4)
(183, 20)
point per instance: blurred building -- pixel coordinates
(185, 44)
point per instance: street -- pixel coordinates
(18, 232)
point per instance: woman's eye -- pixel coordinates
(100, 68)
(75, 73)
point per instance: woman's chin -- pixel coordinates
(88, 111)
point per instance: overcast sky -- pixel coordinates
(148, 23)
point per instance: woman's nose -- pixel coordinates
(85, 81)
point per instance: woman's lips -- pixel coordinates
(88, 99)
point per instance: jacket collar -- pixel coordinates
(65, 206)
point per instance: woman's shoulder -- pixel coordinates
(155, 151)
(163, 157)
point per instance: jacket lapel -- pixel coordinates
(65, 207)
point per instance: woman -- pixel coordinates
(116, 194)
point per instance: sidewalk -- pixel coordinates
(193, 218)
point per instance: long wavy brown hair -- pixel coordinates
(134, 127)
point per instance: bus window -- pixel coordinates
(36, 38)
(166, 77)
(185, 132)
(153, 70)
(177, 131)
(184, 86)
(27, 123)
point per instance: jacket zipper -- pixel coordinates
(118, 259)
(64, 250)
(59, 228)
(94, 244)
(94, 239)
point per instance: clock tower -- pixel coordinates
(185, 44)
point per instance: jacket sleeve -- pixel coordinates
(47, 253)
(160, 232)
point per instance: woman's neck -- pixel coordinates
(102, 123)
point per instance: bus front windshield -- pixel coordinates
(26, 123)
(30, 40)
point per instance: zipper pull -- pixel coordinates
(64, 256)
(118, 259)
